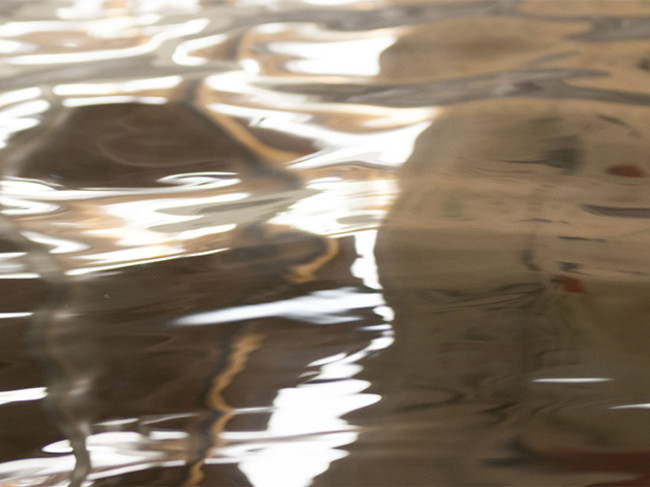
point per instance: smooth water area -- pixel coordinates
(324, 242)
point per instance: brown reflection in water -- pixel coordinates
(134, 145)
(520, 315)
(18, 368)
(515, 258)
(115, 360)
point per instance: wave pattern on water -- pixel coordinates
(296, 242)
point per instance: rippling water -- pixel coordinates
(324, 242)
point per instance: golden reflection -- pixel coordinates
(243, 346)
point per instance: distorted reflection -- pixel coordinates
(101, 39)
(31, 394)
(324, 243)
(343, 54)
(188, 52)
(20, 110)
(128, 86)
(85, 9)
(324, 307)
(573, 380)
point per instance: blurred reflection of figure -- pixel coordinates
(515, 261)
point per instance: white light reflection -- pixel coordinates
(20, 275)
(319, 308)
(204, 179)
(20, 395)
(377, 117)
(365, 266)
(106, 29)
(159, 226)
(21, 112)
(341, 207)
(106, 100)
(130, 86)
(39, 190)
(21, 207)
(386, 312)
(11, 255)
(57, 245)
(14, 47)
(354, 57)
(633, 406)
(306, 432)
(183, 55)
(148, 222)
(168, 435)
(132, 255)
(572, 380)
(49, 470)
(389, 148)
(262, 118)
(83, 9)
(307, 424)
(36, 471)
(295, 464)
(11, 262)
(112, 453)
(18, 314)
(117, 423)
(26, 109)
(241, 82)
(168, 6)
(19, 95)
(119, 265)
(114, 448)
(205, 231)
(92, 9)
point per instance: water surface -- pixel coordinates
(324, 243)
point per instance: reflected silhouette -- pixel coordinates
(520, 312)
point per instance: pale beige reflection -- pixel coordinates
(515, 262)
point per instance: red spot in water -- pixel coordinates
(627, 171)
(572, 285)
(527, 86)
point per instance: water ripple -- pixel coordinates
(324, 242)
